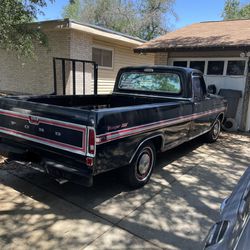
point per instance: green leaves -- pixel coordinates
(145, 19)
(245, 12)
(72, 10)
(15, 33)
(234, 10)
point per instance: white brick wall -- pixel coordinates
(36, 76)
(80, 48)
(33, 76)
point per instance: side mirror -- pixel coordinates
(211, 89)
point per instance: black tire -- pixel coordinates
(138, 173)
(214, 133)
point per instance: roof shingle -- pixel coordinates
(217, 34)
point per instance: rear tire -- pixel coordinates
(138, 173)
(214, 133)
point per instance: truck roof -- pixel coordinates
(162, 67)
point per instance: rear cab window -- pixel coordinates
(152, 82)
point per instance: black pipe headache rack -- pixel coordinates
(73, 62)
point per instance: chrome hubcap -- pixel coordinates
(144, 164)
(216, 129)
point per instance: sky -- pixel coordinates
(188, 11)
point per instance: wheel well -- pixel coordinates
(221, 117)
(157, 141)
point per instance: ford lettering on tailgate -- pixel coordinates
(54, 133)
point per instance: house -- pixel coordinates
(69, 39)
(220, 49)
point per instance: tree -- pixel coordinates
(245, 12)
(153, 18)
(73, 10)
(142, 18)
(15, 32)
(234, 10)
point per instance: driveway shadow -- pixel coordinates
(186, 188)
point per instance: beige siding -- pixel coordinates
(122, 57)
(161, 58)
(33, 76)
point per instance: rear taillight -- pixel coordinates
(89, 161)
(91, 142)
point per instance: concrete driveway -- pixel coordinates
(173, 211)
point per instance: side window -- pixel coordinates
(199, 88)
(200, 65)
(103, 57)
(180, 63)
(236, 68)
(215, 68)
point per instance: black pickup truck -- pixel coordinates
(77, 137)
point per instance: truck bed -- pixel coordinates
(43, 119)
(98, 102)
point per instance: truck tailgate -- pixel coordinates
(46, 127)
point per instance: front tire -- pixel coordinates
(138, 173)
(214, 133)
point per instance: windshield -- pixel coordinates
(155, 82)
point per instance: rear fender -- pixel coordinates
(146, 140)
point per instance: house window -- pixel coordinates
(180, 63)
(200, 65)
(236, 68)
(215, 67)
(103, 57)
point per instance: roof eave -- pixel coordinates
(101, 33)
(183, 49)
(67, 23)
